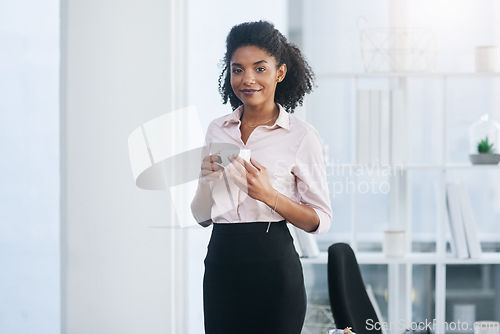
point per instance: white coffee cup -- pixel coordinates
(226, 154)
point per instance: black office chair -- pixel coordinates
(351, 306)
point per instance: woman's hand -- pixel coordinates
(210, 168)
(254, 179)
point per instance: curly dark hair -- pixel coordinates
(299, 78)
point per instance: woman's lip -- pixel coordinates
(250, 92)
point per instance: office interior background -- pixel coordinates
(83, 250)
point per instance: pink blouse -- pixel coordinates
(291, 151)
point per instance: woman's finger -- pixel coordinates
(257, 165)
(211, 176)
(220, 165)
(212, 166)
(238, 180)
(215, 158)
(206, 172)
(238, 165)
(211, 159)
(248, 166)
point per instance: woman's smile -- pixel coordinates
(250, 92)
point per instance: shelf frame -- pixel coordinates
(409, 74)
(411, 258)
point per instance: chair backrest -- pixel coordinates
(351, 306)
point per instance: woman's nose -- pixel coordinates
(248, 79)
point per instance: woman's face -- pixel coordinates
(254, 75)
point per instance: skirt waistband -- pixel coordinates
(248, 227)
(241, 243)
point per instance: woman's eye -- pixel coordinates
(261, 69)
(236, 70)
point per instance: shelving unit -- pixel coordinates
(400, 270)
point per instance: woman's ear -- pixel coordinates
(281, 73)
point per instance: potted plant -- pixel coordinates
(484, 141)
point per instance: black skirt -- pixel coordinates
(253, 281)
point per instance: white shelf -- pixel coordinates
(471, 166)
(412, 166)
(485, 258)
(407, 74)
(472, 293)
(417, 236)
(412, 258)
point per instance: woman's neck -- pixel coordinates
(259, 114)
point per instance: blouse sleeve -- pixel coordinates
(201, 213)
(310, 174)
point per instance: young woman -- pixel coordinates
(253, 281)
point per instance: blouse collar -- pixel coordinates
(282, 121)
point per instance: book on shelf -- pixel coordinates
(456, 223)
(464, 237)
(469, 223)
(400, 125)
(374, 122)
(363, 126)
(373, 128)
(385, 126)
(305, 243)
(453, 246)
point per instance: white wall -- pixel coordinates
(115, 76)
(29, 147)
